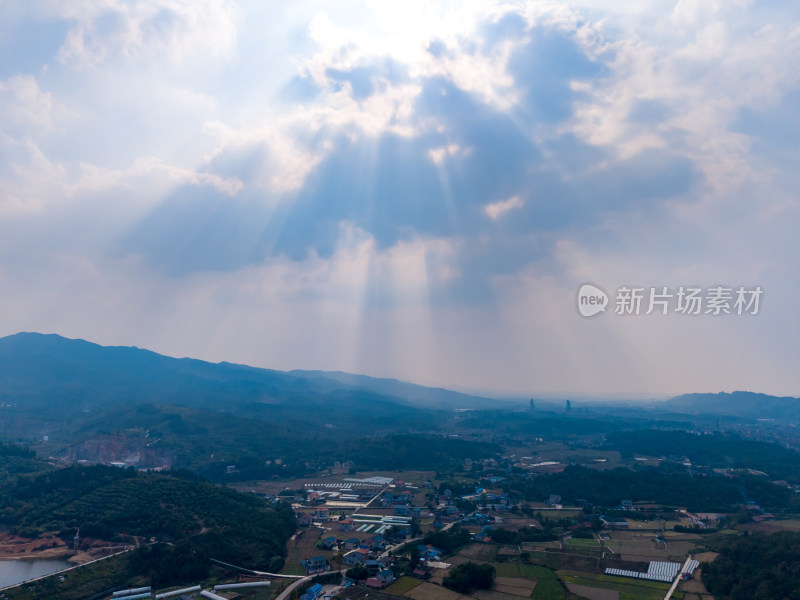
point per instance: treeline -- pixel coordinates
(16, 459)
(756, 567)
(706, 493)
(715, 450)
(502, 535)
(8, 449)
(448, 541)
(414, 451)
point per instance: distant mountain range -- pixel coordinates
(60, 375)
(50, 371)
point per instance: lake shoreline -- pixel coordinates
(16, 548)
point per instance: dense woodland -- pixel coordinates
(757, 567)
(700, 492)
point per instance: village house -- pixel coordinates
(356, 557)
(312, 593)
(381, 580)
(317, 564)
(328, 543)
(351, 543)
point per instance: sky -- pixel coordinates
(414, 190)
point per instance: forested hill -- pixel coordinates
(197, 520)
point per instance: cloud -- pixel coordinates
(94, 179)
(406, 190)
(28, 111)
(495, 210)
(173, 30)
(438, 155)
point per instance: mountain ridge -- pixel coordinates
(36, 364)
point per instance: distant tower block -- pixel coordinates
(569, 406)
(532, 406)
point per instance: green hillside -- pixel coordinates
(195, 519)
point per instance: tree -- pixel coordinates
(415, 529)
(339, 558)
(357, 573)
(470, 576)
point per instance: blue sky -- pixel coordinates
(410, 190)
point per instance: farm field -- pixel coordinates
(629, 589)
(300, 546)
(403, 585)
(429, 591)
(478, 552)
(547, 585)
(515, 586)
(585, 543)
(636, 546)
(772, 526)
(592, 593)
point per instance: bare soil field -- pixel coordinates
(429, 591)
(478, 552)
(706, 557)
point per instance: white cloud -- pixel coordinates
(27, 110)
(28, 179)
(495, 210)
(95, 179)
(700, 68)
(167, 29)
(438, 155)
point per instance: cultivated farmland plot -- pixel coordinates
(493, 594)
(478, 552)
(403, 585)
(516, 586)
(592, 593)
(429, 591)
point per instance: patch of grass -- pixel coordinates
(506, 569)
(583, 542)
(549, 589)
(403, 585)
(536, 572)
